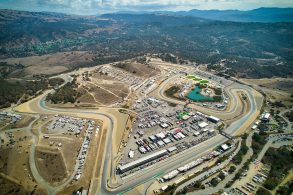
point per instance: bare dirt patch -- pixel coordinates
(119, 89)
(101, 89)
(69, 149)
(103, 96)
(86, 98)
(50, 164)
(138, 69)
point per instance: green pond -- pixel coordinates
(196, 96)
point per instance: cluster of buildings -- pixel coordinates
(142, 105)
(154, 130)
(84, 148)
(142, 161)
(264, 118)
(152, 118)
(189, 166)
(153, 102)
(159, 140)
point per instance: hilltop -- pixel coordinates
(235, 48)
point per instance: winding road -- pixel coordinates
(106, 185)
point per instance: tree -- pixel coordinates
(271, 183)
(262, 191)
(214, 181)
(197, 184)
(232, 169)
(221, 176)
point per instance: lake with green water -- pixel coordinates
(196, 96)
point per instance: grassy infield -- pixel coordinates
(201, 81)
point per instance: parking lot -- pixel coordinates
(159, 126)
(66, 124)
(122, 76)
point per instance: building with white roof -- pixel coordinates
(202, 124)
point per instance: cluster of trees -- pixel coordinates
(279, 167)
(65, 94)
(286, 189)
(215, 181)
(232, 169)
(278, 104)
(217, 98)
(172, 90)
(258, 141)
(237, 159)
(218, 91)
(263, 191)
(289, 115)
(7, 69)
(11, 92)
(56, 82)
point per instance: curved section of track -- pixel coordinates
(230, 90)
(150, 173)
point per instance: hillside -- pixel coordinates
(248, 49)
(256, 15)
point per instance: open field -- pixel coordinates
(284, 84)
(98, 88)
(50, 163)
(66, 153)
(52, 63)
(103, 96)
(11, 186)
(89, 167)
(15, 173)
(277, 89)
(24, 122)
(138, 69)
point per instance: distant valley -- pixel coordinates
(251, 50)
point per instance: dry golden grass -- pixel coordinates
(50, 164)
(51, 63)
(24, 122)
(14, 164)
(103, 96)
(138, 69)
(89, 167)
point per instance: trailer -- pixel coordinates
(170, 175)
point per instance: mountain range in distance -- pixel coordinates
(256, 15)
(252, 49)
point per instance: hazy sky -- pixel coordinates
(87, 7)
